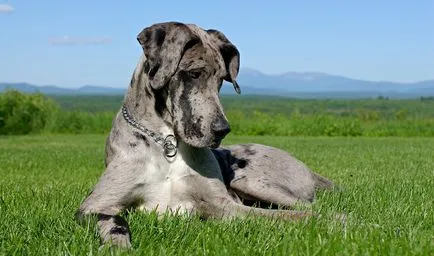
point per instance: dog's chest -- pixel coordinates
(166, 186)
(179, 185)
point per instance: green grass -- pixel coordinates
(387, 194)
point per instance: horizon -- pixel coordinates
(72, 44)
(241, 69)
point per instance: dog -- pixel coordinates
(162, 153)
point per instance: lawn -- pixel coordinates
(387, 191)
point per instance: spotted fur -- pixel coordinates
(174, 90)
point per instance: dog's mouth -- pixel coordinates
(216, 143)
(197, 143)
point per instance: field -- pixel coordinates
(387, 188)
(278, 116)
(248, 115)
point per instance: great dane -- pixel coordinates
(162, 152)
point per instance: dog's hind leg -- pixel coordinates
(110, 196)
(273, 213)
(224, 208)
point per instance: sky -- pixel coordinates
(76, 43)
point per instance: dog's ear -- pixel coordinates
(163, 45)
(230, 54)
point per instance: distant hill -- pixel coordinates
(55, 90)
(321, 85)
(293, 84)
(321, 82)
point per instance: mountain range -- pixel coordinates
(293, 84)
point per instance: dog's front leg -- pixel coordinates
(110, 196)
(113, 229)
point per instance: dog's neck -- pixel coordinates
(146, 110)
(143, 103)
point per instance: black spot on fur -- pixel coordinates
(191, 43)
(120, 225)
(218, 34)
(247, 150)
(191, 128)
(148, 93)
(242, 163)
(238, 163)
(159, 36)
(119, 221)
(153, 71)
(141, 137)
(146, 67)
(119, 230)
(104, 217)
(148, 35)
(160, 101)
(132, 144)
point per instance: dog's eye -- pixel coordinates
(195, 74)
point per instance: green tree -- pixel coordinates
(22, 113)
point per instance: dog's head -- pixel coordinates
(186, 66)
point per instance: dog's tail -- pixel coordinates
(322, 182)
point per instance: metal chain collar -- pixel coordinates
(169, 143)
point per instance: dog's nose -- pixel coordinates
(220, 129)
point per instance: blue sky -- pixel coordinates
(73, 43)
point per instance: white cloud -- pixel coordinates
(6, 8)
(71, 40)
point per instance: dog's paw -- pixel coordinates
(122, 241)
(111, 249)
